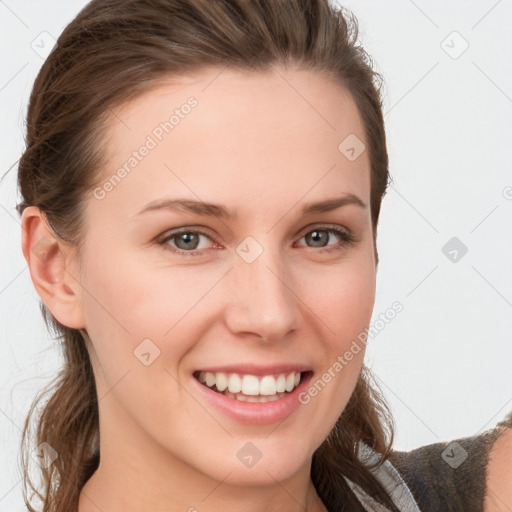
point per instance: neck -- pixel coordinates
(130, 491)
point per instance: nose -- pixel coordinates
(263, 301)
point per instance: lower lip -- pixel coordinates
(254, 412)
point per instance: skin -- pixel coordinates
(264, 145)
(499, 475)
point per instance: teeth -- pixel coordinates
(234, 383)
(250, 385)
(254, 399)
(290, 380)
(210, 379)
(268, 385)
(221, 381)
(281, 383)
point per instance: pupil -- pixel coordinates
(186, 238)
(317, 236)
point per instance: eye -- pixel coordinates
(186, 240)
(321, 234)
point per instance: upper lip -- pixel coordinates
(253, 369)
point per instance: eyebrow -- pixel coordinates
(222, 212)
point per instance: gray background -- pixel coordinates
(444, 363)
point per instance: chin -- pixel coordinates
(260, 462)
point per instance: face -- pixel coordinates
(258, 286)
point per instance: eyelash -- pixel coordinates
(345, 236)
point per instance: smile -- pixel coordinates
(251, 388)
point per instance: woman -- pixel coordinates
(209, 377)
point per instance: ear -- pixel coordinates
(50, 260)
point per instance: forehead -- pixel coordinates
(228, 136)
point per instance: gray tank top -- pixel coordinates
(440, 476)
(391, 480)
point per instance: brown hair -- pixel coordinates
(111, 52)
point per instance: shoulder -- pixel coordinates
(498, 495)
(451, 476)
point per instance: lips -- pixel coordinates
(253, 409)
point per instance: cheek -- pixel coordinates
(143, 300)
(132, 309)
(342, 296)
(344, 302)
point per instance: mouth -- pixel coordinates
(252, 388)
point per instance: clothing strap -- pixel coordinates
(389, 478)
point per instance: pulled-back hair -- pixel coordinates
(113, 51)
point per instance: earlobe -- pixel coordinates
(48, 260)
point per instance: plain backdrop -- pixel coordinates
(445, 238)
